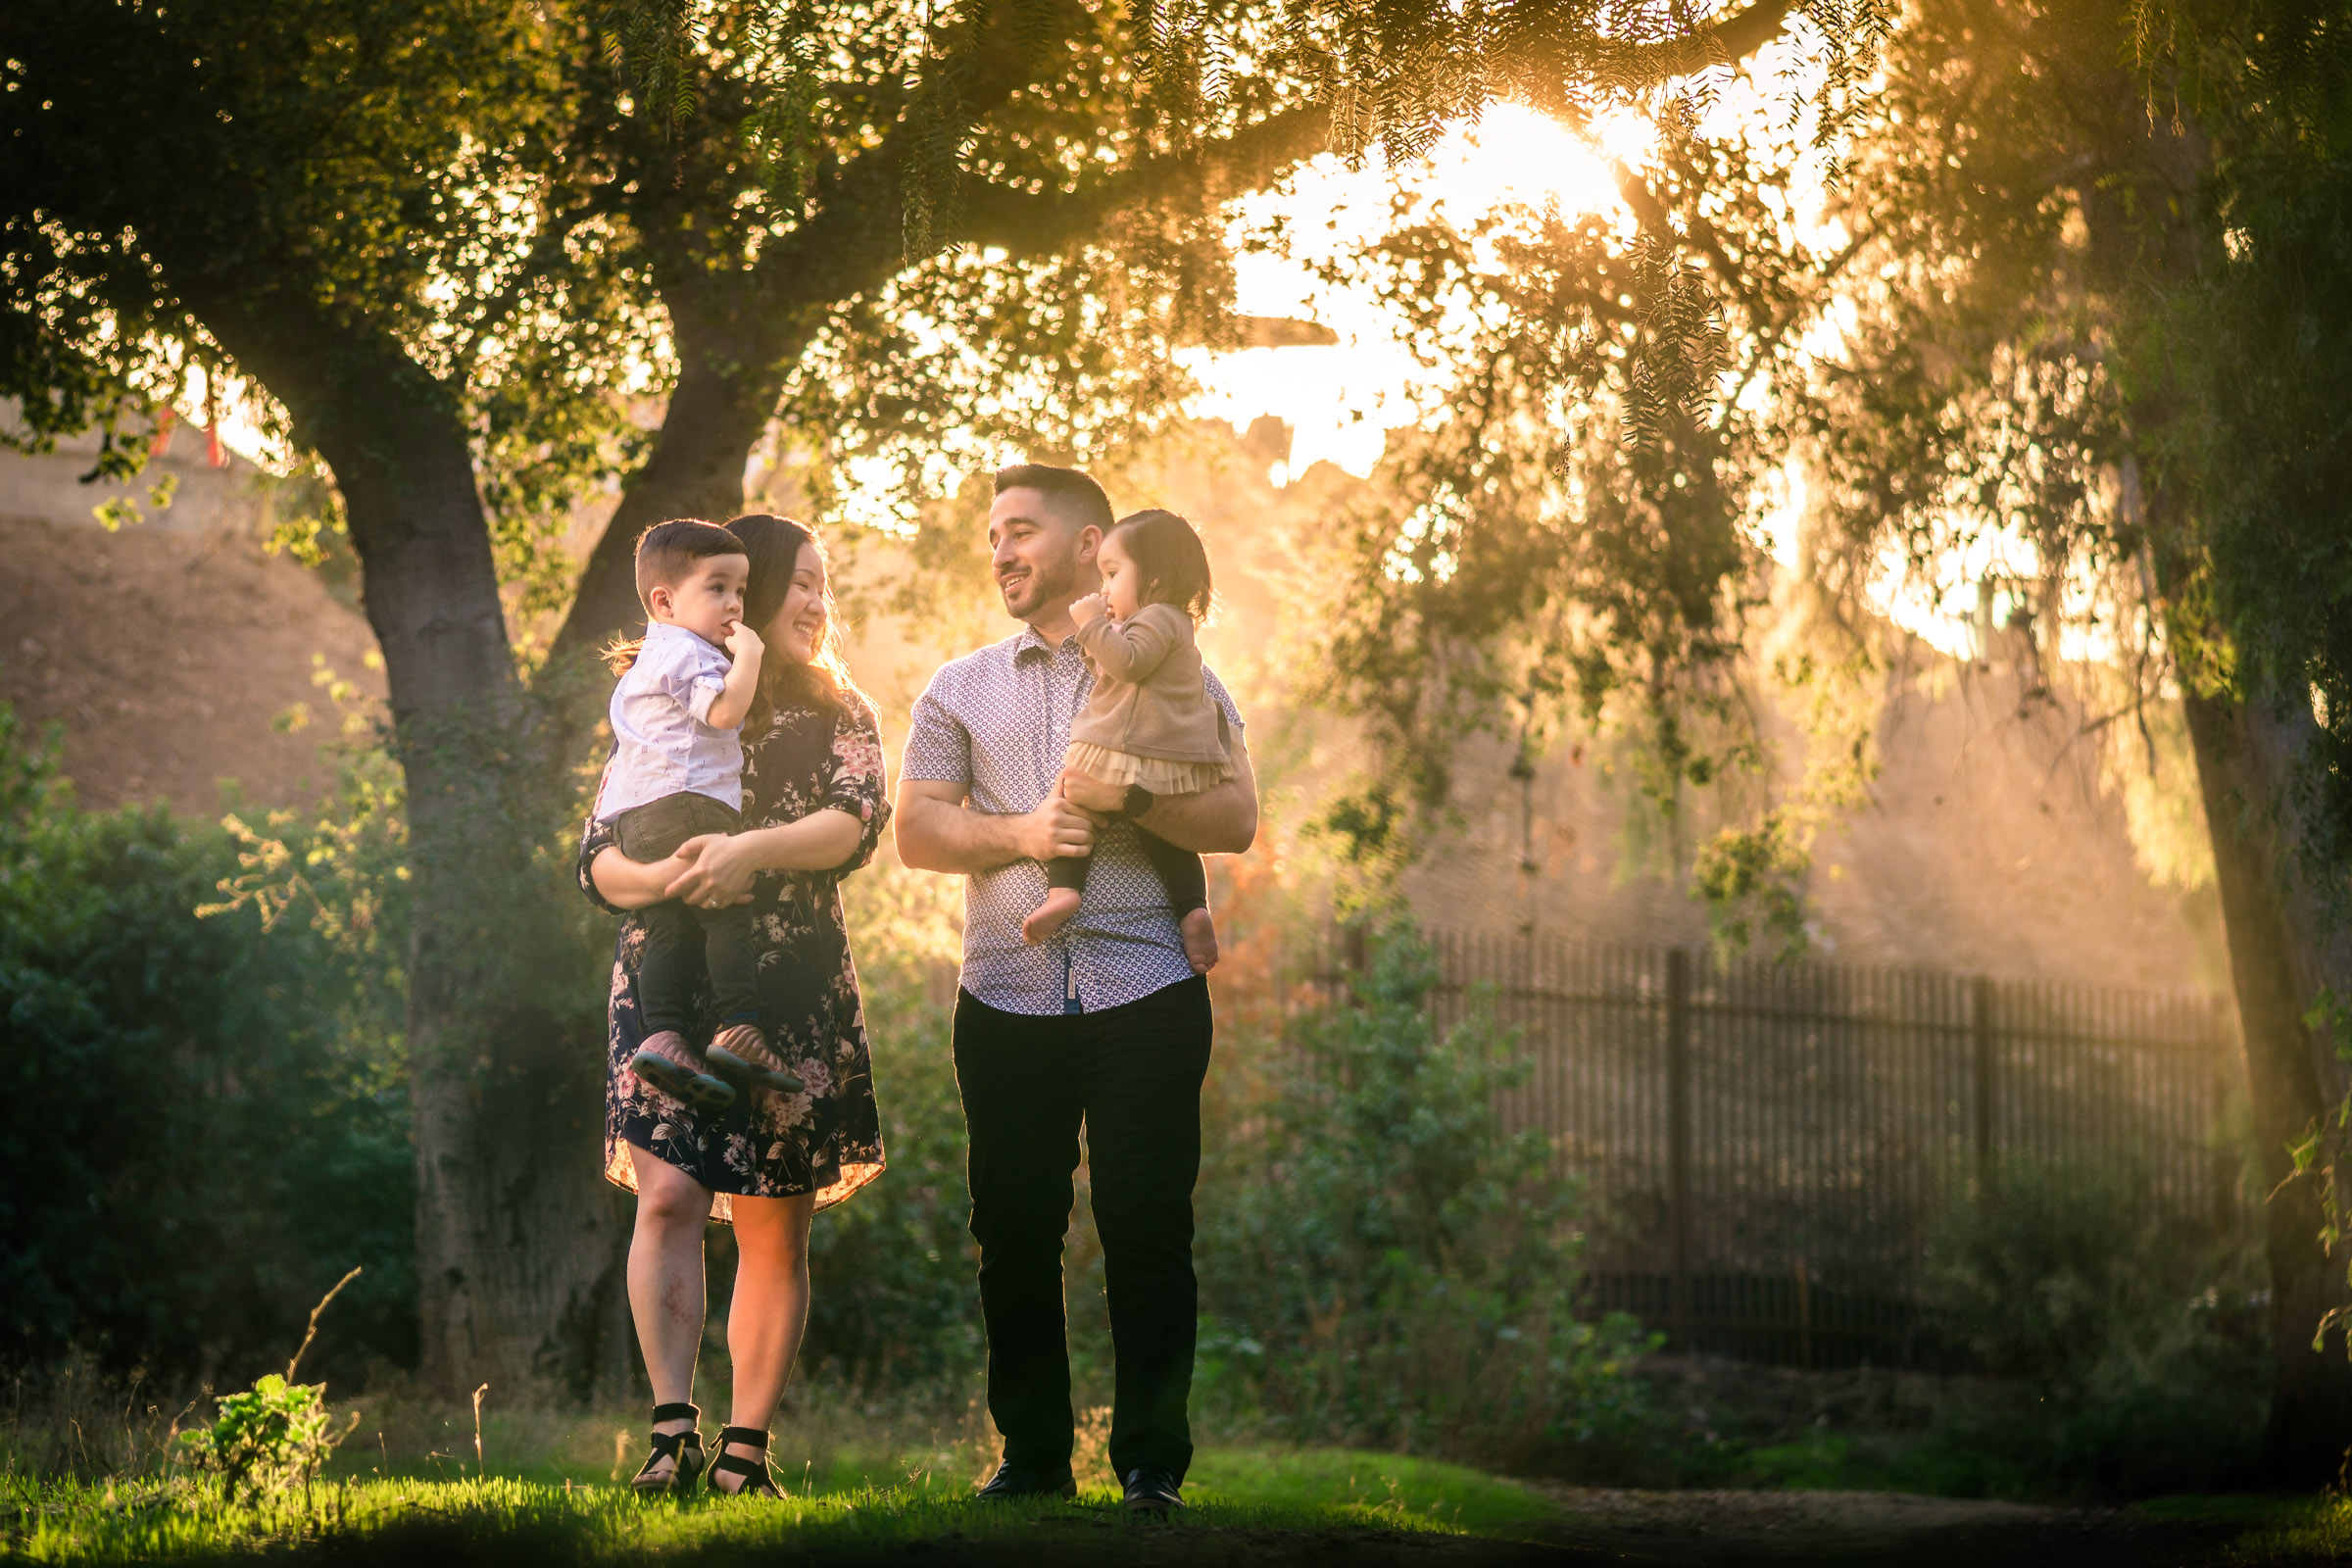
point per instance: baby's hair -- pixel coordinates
(668, 550)
(1171, 560)
(1078, 498)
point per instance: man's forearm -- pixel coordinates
(947, 836)
(1216, 821)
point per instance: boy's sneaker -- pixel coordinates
(664, 1061)
(740, 1054)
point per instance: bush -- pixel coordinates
(893, 1302)
(206, 1123)
(270, 1437)
(1382, 1264)
(2134, 1354)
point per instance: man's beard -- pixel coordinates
(1040, 587)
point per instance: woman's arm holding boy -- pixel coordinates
(627, 884)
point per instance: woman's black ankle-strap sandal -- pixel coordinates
(683, 1451)
(757, 1481)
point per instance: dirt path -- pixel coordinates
(1860, 1528)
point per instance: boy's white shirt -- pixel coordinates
(661, 742)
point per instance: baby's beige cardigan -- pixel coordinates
(1148, 699)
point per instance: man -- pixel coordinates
(1104, 1025)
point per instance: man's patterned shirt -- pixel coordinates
(996, 721)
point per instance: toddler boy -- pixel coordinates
(676, 773)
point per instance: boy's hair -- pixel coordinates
(1171, 560)
(1080, 499)
(668, 550)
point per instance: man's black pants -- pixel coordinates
(1132, 1076)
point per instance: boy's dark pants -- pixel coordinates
(1132, 1076)
(1181, 872)
(681, 944)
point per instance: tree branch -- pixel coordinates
(1742, 35)
(1029, 223)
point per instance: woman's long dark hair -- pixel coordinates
(774, 546)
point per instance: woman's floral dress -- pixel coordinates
(828, 1139)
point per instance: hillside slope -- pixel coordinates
(176, 662)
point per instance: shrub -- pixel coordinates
(893, 1301)
(207, 1122)
(270, 1437)
(1383, 1263)
(2134, 1354)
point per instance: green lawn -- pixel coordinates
(1245, 1504)
(1253, 1509)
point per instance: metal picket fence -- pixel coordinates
(1768, 1144)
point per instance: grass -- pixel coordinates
(873, 1480)
(1372, 1487)
(1252, 1507)
(865, 1476)
(2271, 1529)
(1248, 1496)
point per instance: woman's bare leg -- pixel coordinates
(771, 1309)
(665, 1280)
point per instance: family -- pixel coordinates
(1073, 774)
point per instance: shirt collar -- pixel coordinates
(1033, 641)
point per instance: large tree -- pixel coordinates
(448, 238)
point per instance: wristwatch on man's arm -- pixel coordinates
(1139, 800)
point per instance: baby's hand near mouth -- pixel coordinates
(743, 642)
(1088, 609)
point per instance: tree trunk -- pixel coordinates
(2275, 950)
(716, 417)
(520, 1243)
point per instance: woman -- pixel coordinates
(814, 805)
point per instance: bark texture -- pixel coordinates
(695, 470)
(2274, 949)
(520, 1243)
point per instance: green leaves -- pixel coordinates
(1385, 1265)
(1670, 379)
(221, 1104)
(269, 1437)
(655, 42)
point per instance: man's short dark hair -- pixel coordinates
(1075, 495)
(668, 550)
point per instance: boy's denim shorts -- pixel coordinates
(655, 831)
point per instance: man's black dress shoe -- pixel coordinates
(1153, 1492)
(1016, 1481)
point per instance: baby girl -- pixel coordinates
(1150, 722)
